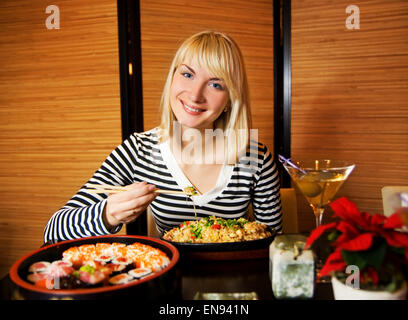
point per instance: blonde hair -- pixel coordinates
(223, 58)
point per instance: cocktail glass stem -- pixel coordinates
(319, 251)
(318, 212)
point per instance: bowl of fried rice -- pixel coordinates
(213, 233)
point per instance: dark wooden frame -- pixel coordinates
(132, 90)
(282, 82)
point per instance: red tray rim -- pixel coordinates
(63, 292)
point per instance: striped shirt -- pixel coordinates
(141, 157)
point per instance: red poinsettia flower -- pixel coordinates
(334, 262)
(357, 232)
(370, 275)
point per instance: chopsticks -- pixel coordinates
(170, 191)
(105, 188)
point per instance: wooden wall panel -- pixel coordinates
(350, 97)
(59, 111)
(164, 25)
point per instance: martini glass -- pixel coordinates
(318, 181)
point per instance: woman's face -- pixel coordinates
(197, 97)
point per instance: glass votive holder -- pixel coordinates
(291, 268)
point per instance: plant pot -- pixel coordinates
(344, 292)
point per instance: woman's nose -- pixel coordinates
(197, 92)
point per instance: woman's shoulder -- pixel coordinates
(146, 140)
(256, 147)
(150, 136)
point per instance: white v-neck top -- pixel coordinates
(141, 157)
(183, 182)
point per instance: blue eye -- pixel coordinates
(216, 85)
(187, 75)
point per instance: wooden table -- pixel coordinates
(227, 272)
(234, 276)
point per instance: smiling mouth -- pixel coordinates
(192, 110)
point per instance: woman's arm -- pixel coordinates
(87, 214)
(266, 202)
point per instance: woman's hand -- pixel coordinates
(125, 207)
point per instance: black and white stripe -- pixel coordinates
(254, 179)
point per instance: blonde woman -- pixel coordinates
(204, 140)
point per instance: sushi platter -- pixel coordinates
(99, 267)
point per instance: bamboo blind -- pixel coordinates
(349, 94)
(59, 111)
(164, 25)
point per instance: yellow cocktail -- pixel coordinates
(318, 180)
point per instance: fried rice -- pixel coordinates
(214, 229)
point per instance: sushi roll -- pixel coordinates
(41, 279)
(133, 252)
(62, 263)
(104, 258)
(74, 256)
(151, 264)
(90, 276)
(122, 260)
(94, 279)
(48, 275)
(103, 248)
(36, 276)
(46, 283)
(59, 271)
(88, 252)
(139, 273)
(118, 249)
(122, 278)
(165, 261)
(159, 261)
(117, 268)
(117, 245)
(41, 266)
(121, 264)
(155, 262)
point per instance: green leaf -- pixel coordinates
(397, 250)
(208, 222)
(222, 222)
(392, 286)
(333, 235)
(354, 258)
(373, 257)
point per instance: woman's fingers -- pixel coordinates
(124, 207)
(133, 207)
(134, 191)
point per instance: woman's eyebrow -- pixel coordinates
(189, 68)
(193, 72)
